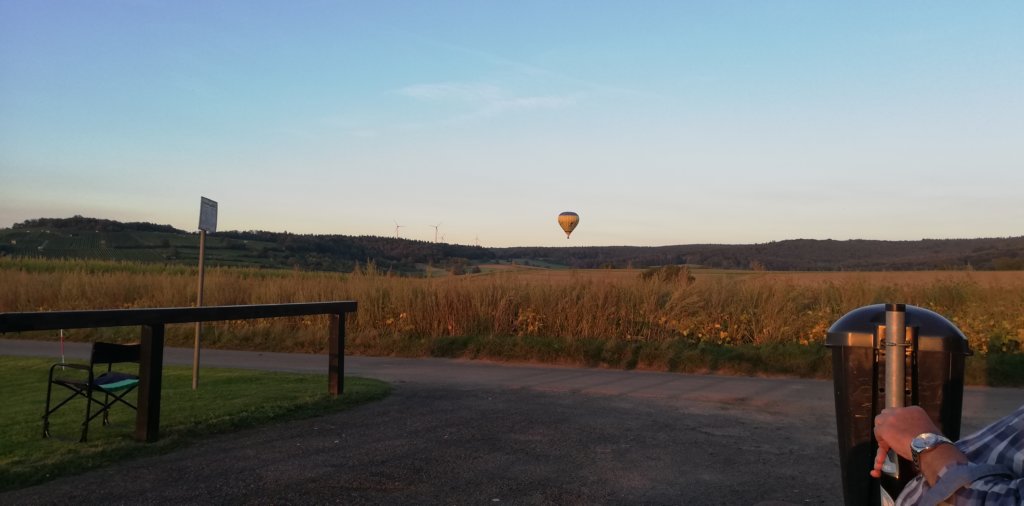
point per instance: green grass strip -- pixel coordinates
(227, 400)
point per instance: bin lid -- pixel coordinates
(934, 332)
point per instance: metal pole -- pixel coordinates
(199, 303)
(895, 355)
(895, 369)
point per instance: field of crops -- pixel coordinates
(731, 321)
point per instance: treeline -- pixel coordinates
(346, 253)
(78, 222)
(797, 255)
(52, 237)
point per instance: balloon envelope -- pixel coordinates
(568, 221)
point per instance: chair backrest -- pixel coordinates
(110, 353)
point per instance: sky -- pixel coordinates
(660, 123)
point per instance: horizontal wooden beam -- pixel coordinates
(54, 320)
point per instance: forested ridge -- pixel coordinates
(82, 237)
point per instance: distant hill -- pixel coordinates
(81, 237)
(799, 255)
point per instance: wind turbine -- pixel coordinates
(397, 226)
(435, 230)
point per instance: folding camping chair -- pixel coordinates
(112, 384)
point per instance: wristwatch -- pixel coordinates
(924, 443)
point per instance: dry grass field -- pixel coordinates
(705, 320)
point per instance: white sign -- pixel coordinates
(207, 215)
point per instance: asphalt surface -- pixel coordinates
(462, 432)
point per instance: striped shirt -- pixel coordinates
(995, 474)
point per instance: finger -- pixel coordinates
(876, 470)
(883, 447)
(880, 457)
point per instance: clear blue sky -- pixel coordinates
(658, 122)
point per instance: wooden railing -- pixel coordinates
(152, 321)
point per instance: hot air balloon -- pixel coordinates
(568, 221)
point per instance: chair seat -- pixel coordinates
(109, 381)
(114, 381)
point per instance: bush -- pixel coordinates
(669, 274)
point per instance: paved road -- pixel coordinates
(463, 432)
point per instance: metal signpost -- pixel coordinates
(207, 223)
(895, 380)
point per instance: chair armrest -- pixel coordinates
(81, 367)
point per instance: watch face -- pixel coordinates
(927, 441)
(924, 441)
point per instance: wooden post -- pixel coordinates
(336, 359)
(199, 303)
(151, 367)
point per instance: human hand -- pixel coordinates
(895, 428)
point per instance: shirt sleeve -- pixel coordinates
(994, 476)
(974, 484)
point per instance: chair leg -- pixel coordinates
(106, 408)
(88, 410)
(46, 413)
(75, 392)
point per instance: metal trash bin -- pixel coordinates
(934, 379)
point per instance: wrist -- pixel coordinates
(931, 463)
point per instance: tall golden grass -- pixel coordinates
(612, 317)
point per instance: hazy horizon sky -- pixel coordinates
(658, 122)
